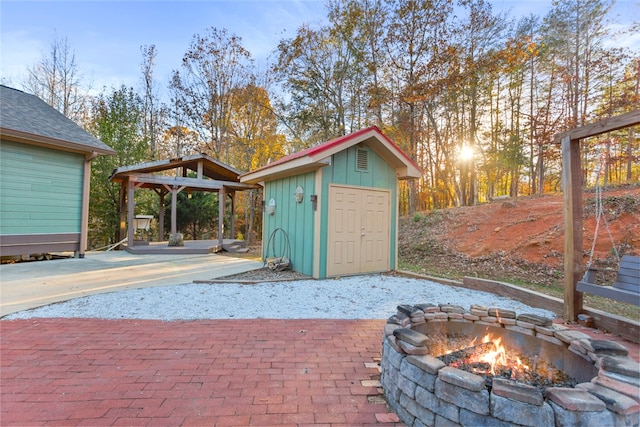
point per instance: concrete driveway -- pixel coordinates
(33, 284)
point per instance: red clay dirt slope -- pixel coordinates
(517, 237)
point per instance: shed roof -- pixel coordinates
(318, 156)
(27, 118)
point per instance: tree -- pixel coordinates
(318, 70)
(575, 30)
(417, 49)
(254, 132)
(117, 120)
(152, 110)
(477, 43)
(55, 79)
(196, 214)
(214, 66)
(361, 24)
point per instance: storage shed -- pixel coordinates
(45, 166)
(338, 204)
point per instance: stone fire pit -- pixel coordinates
(425, 392)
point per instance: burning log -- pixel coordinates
(465, 353)
(491, 359)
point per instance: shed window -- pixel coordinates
(362, 160)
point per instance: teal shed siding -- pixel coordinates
(342, 170)
(296, 219)
(40, 190)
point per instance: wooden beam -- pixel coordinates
(603, 126)
(192, 183)
(572, 193)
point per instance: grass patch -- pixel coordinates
(555, 290)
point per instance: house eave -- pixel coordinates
(43, 141)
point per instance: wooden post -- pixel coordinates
(130, 208)
(572, 193)
(174, 209)
(232, 221)
(161, 193)
(122, 232)
(222, 200)
(161, 217)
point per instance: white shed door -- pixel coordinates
(358, 230)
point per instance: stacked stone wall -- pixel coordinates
(423, 391)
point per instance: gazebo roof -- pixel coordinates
(212, 174)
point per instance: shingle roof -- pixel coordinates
(27, 117)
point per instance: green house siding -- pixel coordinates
(343, 170)
(40, 190)
(296, 219)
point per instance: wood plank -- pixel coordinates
(629, 274)
(25, 244)
(526, 296)
(603, 126)
(630, 261)
(628, 284)
(622, 295)
(626, 328)
(27, 239)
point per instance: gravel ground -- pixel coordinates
(359, 297)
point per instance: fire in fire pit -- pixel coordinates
(491, 359)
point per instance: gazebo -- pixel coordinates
(211, 176)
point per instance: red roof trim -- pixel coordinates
(318, 149)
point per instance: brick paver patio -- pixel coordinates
(215, 373)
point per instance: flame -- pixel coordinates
(498, 357)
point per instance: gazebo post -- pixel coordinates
(174, 209)
(232, 221)
(161, 193)
(222, 200)
(161, 217)
(130, 209)
(122, 232)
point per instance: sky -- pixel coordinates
(106, 35)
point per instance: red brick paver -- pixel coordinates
(90, 372)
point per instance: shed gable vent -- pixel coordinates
(362, 160)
